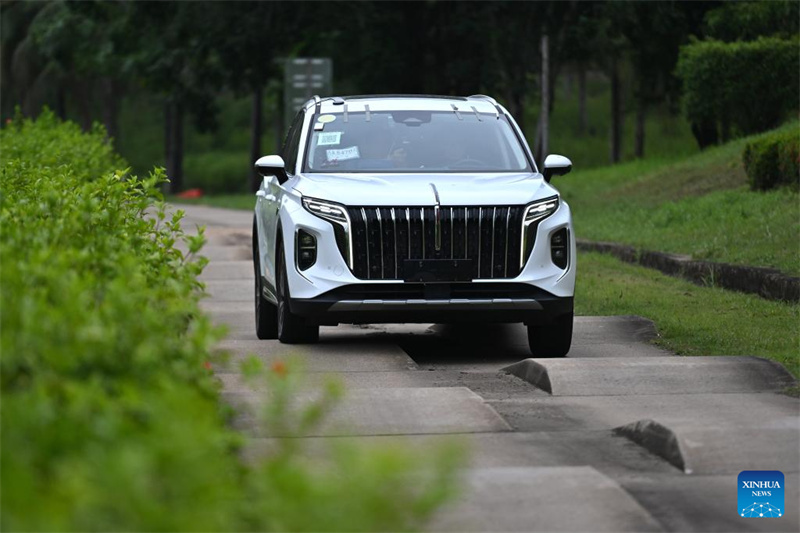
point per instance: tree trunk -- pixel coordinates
(111, 91)
(725, 127)
(255, 137)
(616, 114)
(705, 133)
(61, 101)
(583, 121)
(279, 119)
(641, 113)
(82, 91)
(518, 104)
(174, 146)
(544, 115)
(167, 134)
(568, 84)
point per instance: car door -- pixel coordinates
(270, 201)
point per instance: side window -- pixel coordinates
(292, 145)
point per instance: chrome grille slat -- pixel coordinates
(380, 229)
(408, 218)
(366, 233)
(394, 228)
(466, 234)
(494, 219)
(422, 218)
(452, 235)
(480, 217)
(505, 254)
(487, 244)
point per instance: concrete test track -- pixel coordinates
(618, 436)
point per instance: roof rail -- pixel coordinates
(482, 97)
(366, 96)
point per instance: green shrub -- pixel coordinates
(111, 418)
(773, 160)
(746, 21)
(741, 87)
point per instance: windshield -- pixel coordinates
(414, 141)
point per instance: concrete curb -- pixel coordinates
(768, 283)
(612, 376)
(533, 372)
(657, 439)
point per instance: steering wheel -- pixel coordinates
(468, 162)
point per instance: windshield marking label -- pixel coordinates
(329, 138)
(344, 154)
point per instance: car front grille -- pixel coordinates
(384, 237)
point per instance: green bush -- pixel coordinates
(773, 160)
(111, 418)
(740, 87)
(746, 21)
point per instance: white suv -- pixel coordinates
(411, 209)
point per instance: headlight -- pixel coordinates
(326, 210)
(534, 213)
(337, 215)
(541, 209)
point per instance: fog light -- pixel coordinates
(306, 250)
(559, 248)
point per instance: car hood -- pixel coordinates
(415, 189)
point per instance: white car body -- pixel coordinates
(280, 213)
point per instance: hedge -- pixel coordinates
(773, 160)
(747, 87)
(746, 21)
(111, 417)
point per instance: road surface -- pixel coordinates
(619, 436)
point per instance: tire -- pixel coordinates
(551, 340)
(292, 329)
(266, 312)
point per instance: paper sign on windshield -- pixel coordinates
(344, 154)
(329, 138)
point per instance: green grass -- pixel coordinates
(699, 206)
(691, 320)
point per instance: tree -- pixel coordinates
(265, 32)
(173, 56)
(733, 84)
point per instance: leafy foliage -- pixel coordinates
(746, 21)
(773, 160)
(111, 418)
(750, 86)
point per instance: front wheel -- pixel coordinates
(266, 312)
(292, 329)
(551, 340)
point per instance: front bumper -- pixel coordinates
(434, 302)
(330, 272)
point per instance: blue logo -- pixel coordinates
(761, 494)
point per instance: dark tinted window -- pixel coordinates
(292, 144)
(414, 141)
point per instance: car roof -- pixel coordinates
(410, 102)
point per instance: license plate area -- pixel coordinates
(433, 270)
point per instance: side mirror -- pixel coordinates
(556, 165)
(272, 165)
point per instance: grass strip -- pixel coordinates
(691, 320)
(699, 206)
